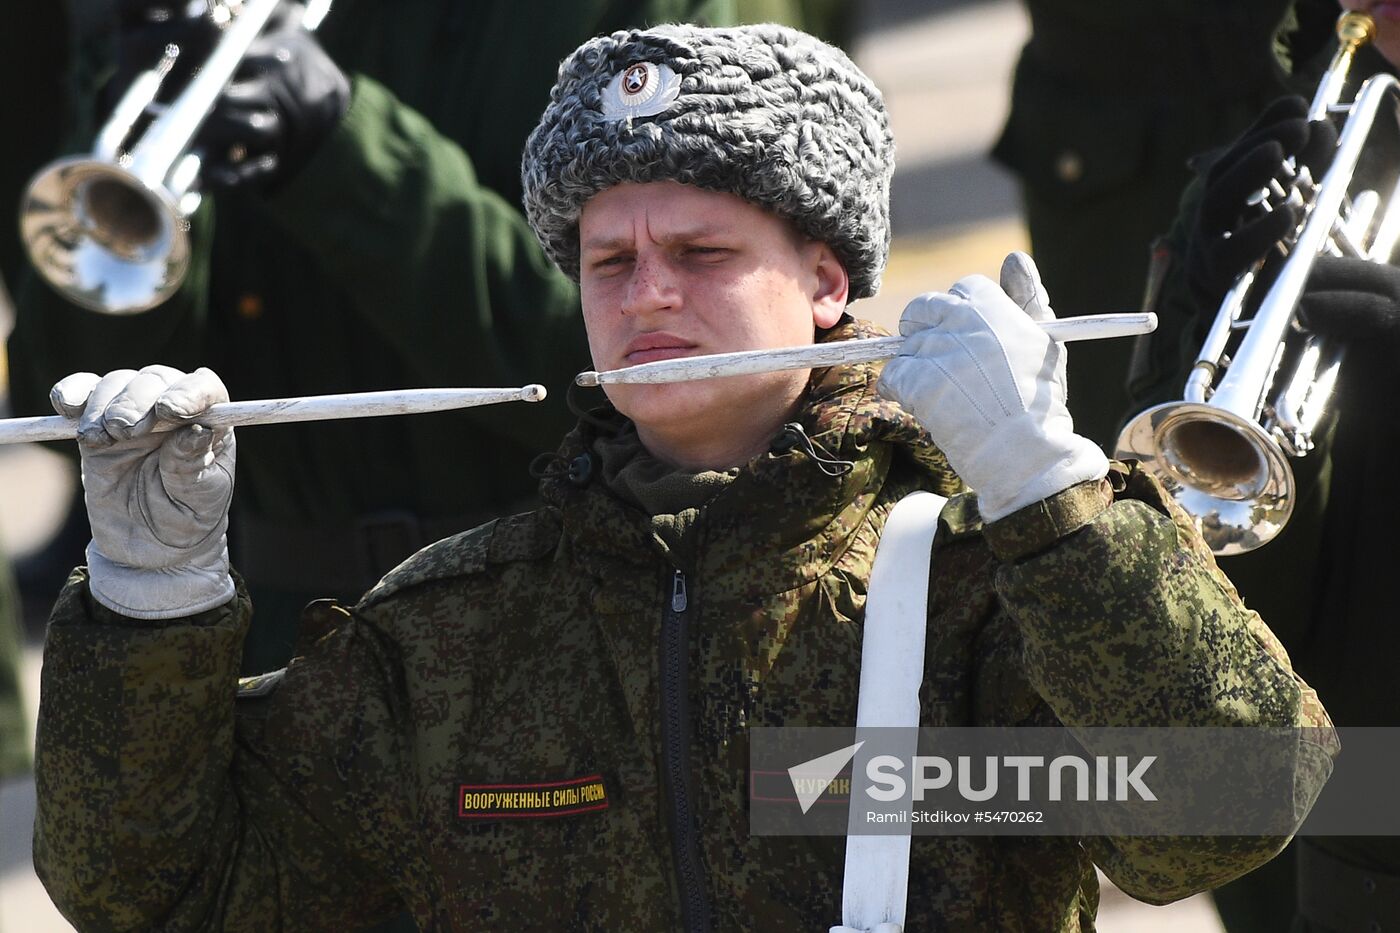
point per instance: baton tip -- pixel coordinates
(586, 379)
(1151, 323)
(533, 393)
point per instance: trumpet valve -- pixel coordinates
(1304, 182)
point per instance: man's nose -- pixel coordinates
(652, 287)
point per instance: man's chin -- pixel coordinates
(707, 406)
(666, 407)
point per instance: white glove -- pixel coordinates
(989, 387)
(158, 502)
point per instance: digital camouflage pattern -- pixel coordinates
(14, 727)
(526, 652)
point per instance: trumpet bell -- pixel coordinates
(103, 238)
(1224, 470)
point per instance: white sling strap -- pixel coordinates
(891, 671)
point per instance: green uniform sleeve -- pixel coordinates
(393, 213)
(164, 803)
(14, 728)
(421, 253)
(1162, 359)
(1126, 621)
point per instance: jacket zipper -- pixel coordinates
(675, 750)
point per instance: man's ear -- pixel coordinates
(831, 287)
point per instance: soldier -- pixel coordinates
(699, 566)
(14, 729)
(25, 55)
(1110, 100)
(1324, 582)
(365, 233)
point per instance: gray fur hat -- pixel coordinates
(766, 112)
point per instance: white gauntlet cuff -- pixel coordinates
(166, 593)
(1024, 460)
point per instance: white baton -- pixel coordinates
(288, 410)
(838, 352)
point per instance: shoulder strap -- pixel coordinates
(891, 672)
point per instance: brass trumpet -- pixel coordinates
(110, 229)
(1261, 385)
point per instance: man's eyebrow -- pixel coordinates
(613, 243)
(679, 235)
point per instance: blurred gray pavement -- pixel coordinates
(945, 68)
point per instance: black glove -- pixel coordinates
(1355, 301)
(143, 29)
(285, 99)
(1228, 235)
(1358, 303)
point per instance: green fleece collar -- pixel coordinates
(672, 497)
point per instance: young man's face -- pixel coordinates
(1386, 13)
(669, 270)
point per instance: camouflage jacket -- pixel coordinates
(554, 650)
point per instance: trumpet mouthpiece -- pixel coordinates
(1355, 28)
